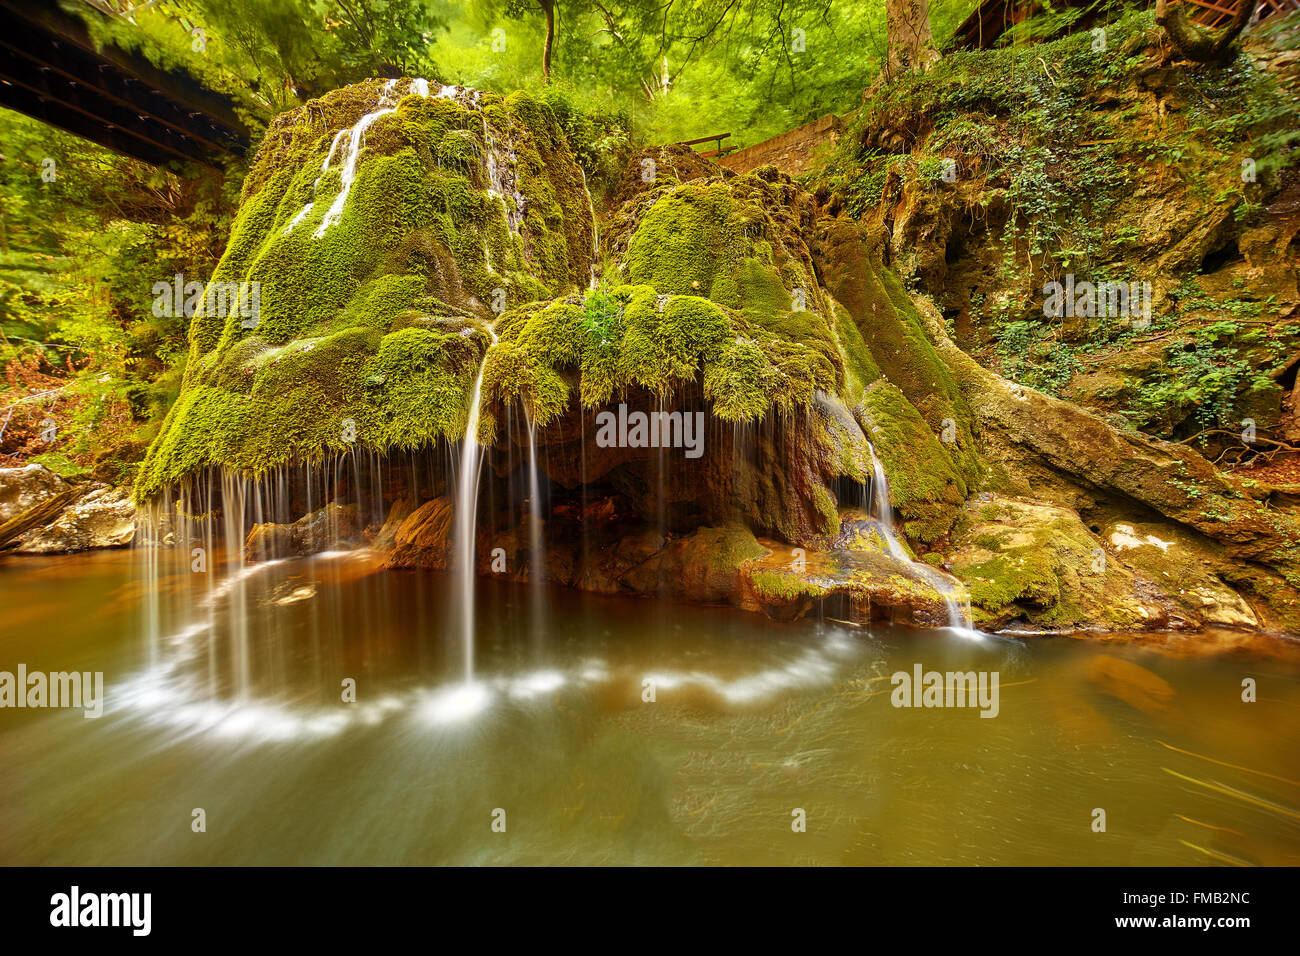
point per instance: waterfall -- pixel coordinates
(959, 618)
(325, 164)
(536, 544)
(595, 232)
(302, 214)
(356, 140)
(501, 181)
(471, 458)
(208, 613)
(497, 167)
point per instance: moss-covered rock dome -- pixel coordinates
(379, 221)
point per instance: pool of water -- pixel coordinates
(612, 731)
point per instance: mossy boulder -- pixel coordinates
(1186, 567)
(1035, 564)
(853, 585)
(372, 264)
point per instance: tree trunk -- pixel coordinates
(1202, 46)
(911, 46)
(548, 7)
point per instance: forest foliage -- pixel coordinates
(85, 233)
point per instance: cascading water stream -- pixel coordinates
(959, 618)
(595, 233)
(356, 139)
(536, 545)
(471, 460)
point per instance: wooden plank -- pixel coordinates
(80, 70)
(704, 139)
(62, 94)
(24, 101)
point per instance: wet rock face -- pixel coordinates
(103, 518)
(1032, 563)
(1183, 568)
(609, 550)
(1033, 441)
(421, 538)
(333, 526)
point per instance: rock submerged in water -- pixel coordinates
(333, 526)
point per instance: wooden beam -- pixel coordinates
(704, 139)
(121, 91)
(180, 86)
(22, 100)
(65, 96)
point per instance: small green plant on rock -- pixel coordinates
(602, 319)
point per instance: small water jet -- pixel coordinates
(959, 618)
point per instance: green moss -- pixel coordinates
(654, 342)
(416, 386)
(924, 486)
(364, 323)
(785, 586)
(1040, 563)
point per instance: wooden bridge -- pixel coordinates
(992, 18)
(52, 70)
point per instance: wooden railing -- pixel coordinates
(992, 18)
(718, 150)
(1218, 14)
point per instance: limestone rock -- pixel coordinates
(332, 526)
(25, 487)
(423, 539)
(1036, 564)
(1169, 558)
(104, 518)
(859, 586)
